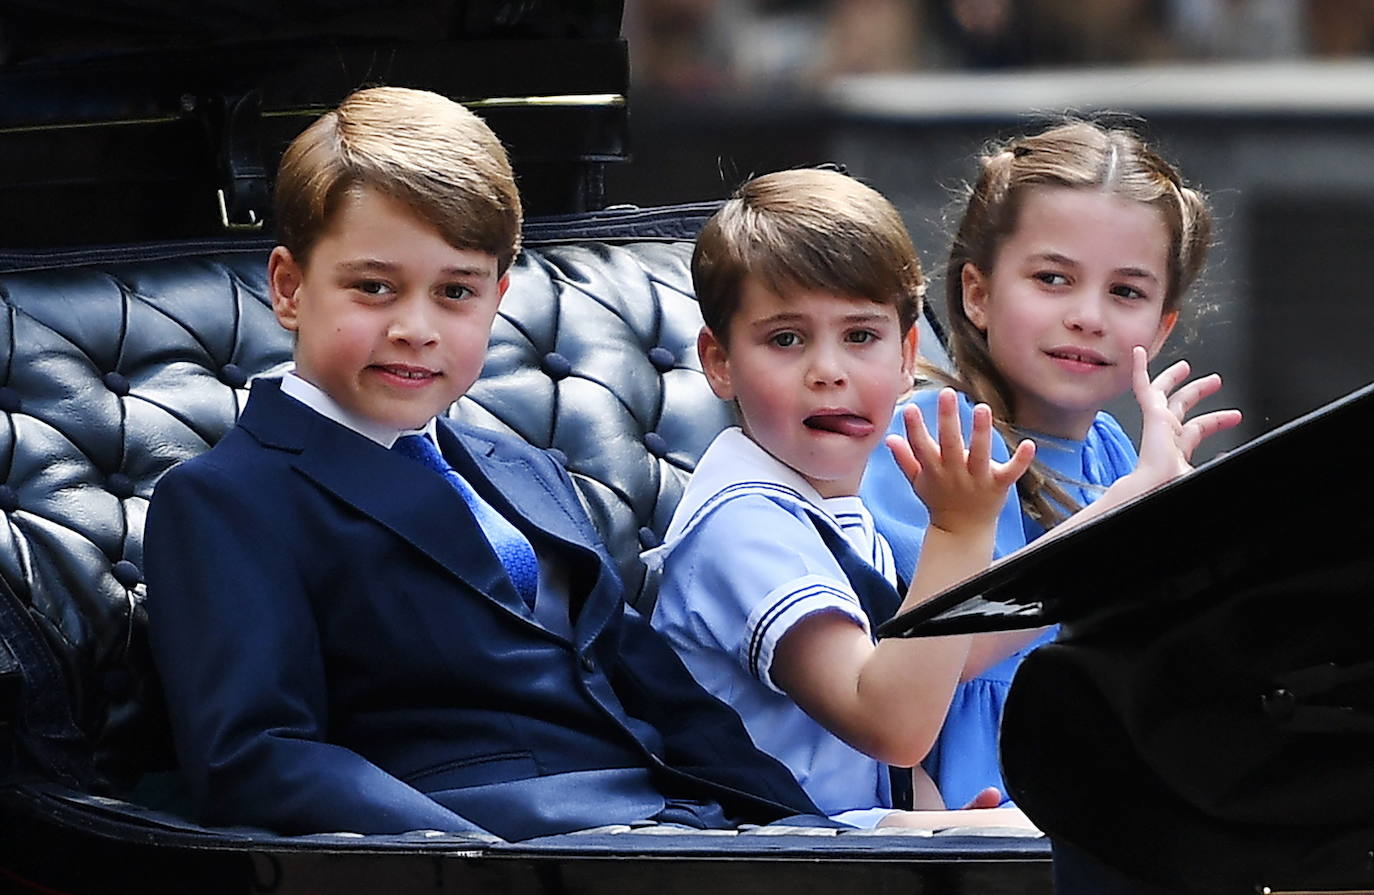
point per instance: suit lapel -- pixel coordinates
(523, 494)
(395, 491)
(509, 483)
(405, 497)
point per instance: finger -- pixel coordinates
(1187, 397)
(989, 797)
(1140, 377)
(905, 459)
(1007, 473)
(951, 434)
(918, 439)
(1172, 377)
(980, 439)
(1205, 426)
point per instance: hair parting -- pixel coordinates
(1077, 155)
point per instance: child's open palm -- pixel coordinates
(1168, 437)
(961, 488)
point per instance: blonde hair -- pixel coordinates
(417, 147)
(1079, 155)
(806, 229)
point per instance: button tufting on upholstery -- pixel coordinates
(116, 382)
(596, 396)
(127, 574)
(661, 358)
(120, 485)
(556, 365)
(233, 376)
(657, 444)
(648, 538)
(557, 456)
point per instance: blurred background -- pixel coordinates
(150, 120)
(1266, 105)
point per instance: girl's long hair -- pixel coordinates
(1078, 155)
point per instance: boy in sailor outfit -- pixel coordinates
(773, 576)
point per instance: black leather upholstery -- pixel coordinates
(115, 365)
(114, 371)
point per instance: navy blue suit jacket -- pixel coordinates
(340, 650)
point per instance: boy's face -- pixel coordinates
(816, 377)
(390, 320)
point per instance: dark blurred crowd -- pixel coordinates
(704, 45)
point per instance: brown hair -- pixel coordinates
(1080, 155)
(420, 148)
(806, 229)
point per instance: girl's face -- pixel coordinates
(1076, 286)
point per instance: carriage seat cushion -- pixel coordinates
(117, 364)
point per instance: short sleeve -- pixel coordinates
(743, 576)
(901, 517)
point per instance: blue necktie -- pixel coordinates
(510, 546)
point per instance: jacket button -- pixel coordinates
(587, 664)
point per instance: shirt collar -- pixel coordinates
(735, 464)
(317, 400)
(734, 459)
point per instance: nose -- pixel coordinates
(826, 368)
(412, 323)
(1086, 313)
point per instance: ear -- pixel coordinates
(284, 277)
(1166, 326)
(910, 343)
(715, 363)
(503, 284)
(974, 287)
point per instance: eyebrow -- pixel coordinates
(1138, 273)
(792, 317)
(370, 265)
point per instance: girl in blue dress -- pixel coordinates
(1067, 272)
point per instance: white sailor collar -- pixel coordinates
(734, 466)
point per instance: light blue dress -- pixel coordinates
(964, 758)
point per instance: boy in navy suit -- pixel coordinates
(354, 640)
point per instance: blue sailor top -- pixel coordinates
(753, 549)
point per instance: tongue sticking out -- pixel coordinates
(840, 423)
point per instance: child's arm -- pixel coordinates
(1168, 439)
(889, 700)
(238, 647)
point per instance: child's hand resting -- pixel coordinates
(1167, 437)
(961, 488)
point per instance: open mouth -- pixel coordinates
(840, 423)
(415, 374)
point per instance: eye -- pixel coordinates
(1121, 290)
(456, 291)
(784, 339)
(372, 287)
(1051, 278)
(860, 336)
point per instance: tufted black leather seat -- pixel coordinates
(117, 364)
